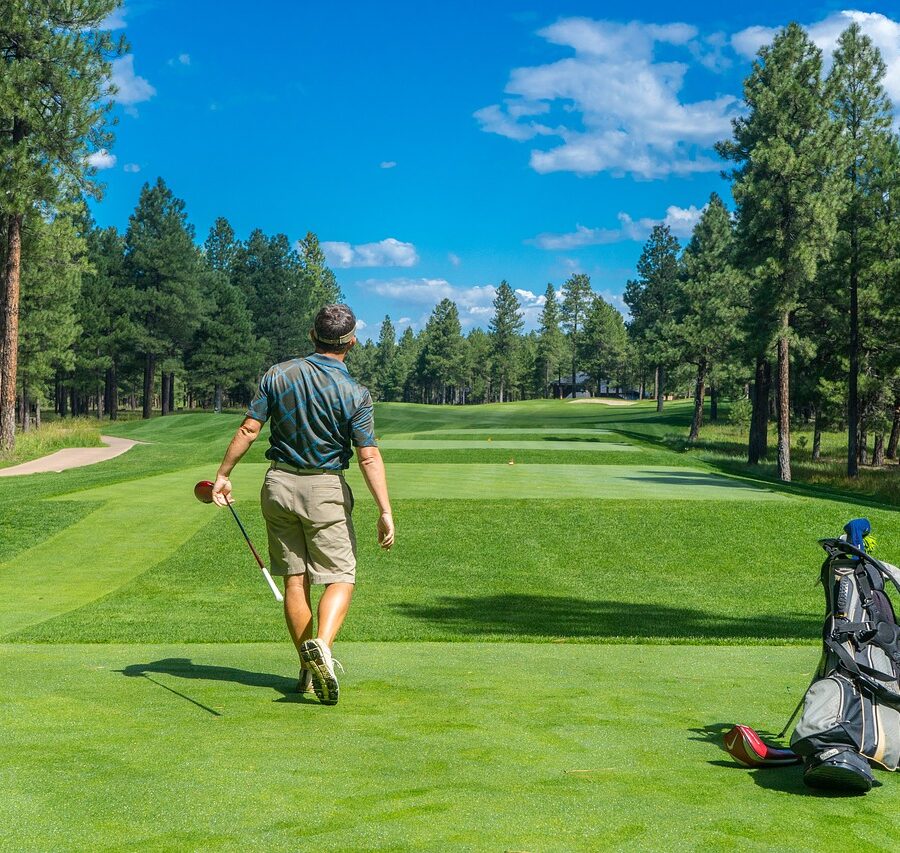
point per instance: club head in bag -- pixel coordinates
(746, 747)
(203, 491)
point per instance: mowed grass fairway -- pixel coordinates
(546, 661)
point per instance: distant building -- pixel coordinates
(585, 385)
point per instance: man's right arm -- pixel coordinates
(372, 467)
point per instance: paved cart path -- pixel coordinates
(72, 457)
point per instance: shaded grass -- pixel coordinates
(53, 436)
(433, 747)
(724, 446)
(601, 571)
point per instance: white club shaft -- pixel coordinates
(275, 590)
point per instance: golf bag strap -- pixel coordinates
(865, 674)
(862, 582)
(855, 631)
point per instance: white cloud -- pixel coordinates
(475, 303)
(384, 253)
(884, 32)
(132, 167)
(132, 89)
(454, 258)
(101, 159)
(387, 164)
(619, 108)
(681, 221)
(115, 20)
(181, 59)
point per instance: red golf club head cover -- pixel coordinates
(203, 491)
(749, 749)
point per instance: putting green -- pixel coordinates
(433, 747)
(484, 444)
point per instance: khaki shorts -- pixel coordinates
(308, 521)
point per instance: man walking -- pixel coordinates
(318, 414)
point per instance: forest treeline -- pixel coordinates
(786, 303)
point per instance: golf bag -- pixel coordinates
(851, 711)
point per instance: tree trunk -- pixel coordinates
(784, 404)
(895, 432)
(74, 400)
(37, 415)
(863, 445)
(759, 419)
(660, 387)
(878, 452)
(9, 331)
(217, 398)
(171, 391)
(853, 378)
(164, 393)
(62, 397)
(149, 381)
(699, 393)
(24, 411)
(817, 437)
(112, 392)
(713, 404)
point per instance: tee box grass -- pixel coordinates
(545, 661)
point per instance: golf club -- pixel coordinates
(203, 493)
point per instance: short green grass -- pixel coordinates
(546, 660)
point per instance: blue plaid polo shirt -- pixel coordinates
(318, 413)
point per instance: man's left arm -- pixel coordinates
(246, 434)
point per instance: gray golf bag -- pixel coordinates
(851, 711)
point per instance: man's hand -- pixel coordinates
(221, 492)
(386, 530)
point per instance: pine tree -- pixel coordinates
(387, 352)
(478, 365)
(104, 310)
(221, 246)
(54, 101)
(224, 355)
(862, 108)
(653, 299)
(577, 295)
(441, 354)
(713, 301)
(277, 291)
(505, 328)
(550, 340)
(404, 370)
(164, 267)
(54, 262)
(787, 190)
(605, 341)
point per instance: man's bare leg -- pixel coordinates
(298, 609)
(333, 607)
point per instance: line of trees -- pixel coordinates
(795, 297)
(579, 334)
(789, 302)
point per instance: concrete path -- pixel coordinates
(73, 457)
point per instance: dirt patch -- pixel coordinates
(72, 457)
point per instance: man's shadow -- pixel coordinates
(186, 668)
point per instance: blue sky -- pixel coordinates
(437, 149)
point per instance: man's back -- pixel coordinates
(318, 412)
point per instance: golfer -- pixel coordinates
(318, 414)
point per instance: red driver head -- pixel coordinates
(203, 491)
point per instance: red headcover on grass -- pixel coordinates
(749, 749)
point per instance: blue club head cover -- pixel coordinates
(856, 531)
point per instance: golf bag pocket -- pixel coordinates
(830, 717)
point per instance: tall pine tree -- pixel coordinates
(787, 186)
(505, 328)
